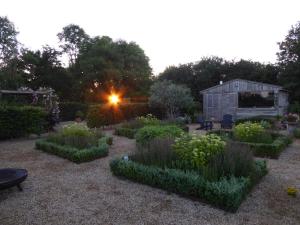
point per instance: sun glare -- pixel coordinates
(114, 99)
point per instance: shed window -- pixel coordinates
(256, 99)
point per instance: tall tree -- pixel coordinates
(71, 38)
(8, 41)
(289, 61)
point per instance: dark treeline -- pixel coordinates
(211, 70)
(96, 65)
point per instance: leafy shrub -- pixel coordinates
(74, 154)
(265, 124)
(68, 110)
(198, 149)
(251, 132)
(225, 193)
(79, 114)
(257, 119)
(148, 133)
(148, 120)
(125, 132)
(158, 152)
(19, 121)
(296, 133)
(95, 118)
(133, 124)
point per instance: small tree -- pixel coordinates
(171, 97)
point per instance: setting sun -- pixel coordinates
(114, 99)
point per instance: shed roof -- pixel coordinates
(249, 81)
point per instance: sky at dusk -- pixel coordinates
(170, 31)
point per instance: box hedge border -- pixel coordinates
(272, 150)
(125, 132)
(74, 154)
(226, 194)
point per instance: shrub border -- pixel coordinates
(125, 132)
(226, 194)
(74, 154)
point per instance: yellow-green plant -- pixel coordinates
(198, 149)
(292, 191)
(248, 132)
(149, 119)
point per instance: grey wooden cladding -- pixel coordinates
(223, 99)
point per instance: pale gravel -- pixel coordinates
(60, 192)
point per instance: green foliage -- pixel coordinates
(251, 132)
(76, 135)
(198, 149)
(296, 133)
(148, 133)
(171, 97)
(8, 41)
(74, 154)
(19, 121)
(126, 132)
(225, 193)
(236, 160)
(294, 107)
(148, 120)
(102, 115)
(159, 152)
(68, 110)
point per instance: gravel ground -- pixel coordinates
(60, 192)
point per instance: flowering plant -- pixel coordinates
(248, 131)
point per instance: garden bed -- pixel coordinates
(269, 150)
(227, 193)
(76, 143)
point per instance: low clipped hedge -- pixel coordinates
(227, 193)
(74, 154)
(272, 150)
(125, 132)
(20, 121)
(68, 110)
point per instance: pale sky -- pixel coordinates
(171, 32)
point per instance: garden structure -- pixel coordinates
(244, 99)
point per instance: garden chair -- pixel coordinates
(207, 125)
(227, 122)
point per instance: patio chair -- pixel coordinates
(204, 124)
(12, 177)
(227, 121)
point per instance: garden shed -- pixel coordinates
(244, 99)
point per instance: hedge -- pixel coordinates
(227, 193)
(74, 154)
(19, 121)
(272, 150)
(258, 119)
(68, 110)
(103, 115)
(125, 132)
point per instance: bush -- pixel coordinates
(270, 150)
(148, 133)
(76, 135)
(198, 149)
(225, 193)
(19, 121)
(74, 154)
(126, 132)
(69, 110)
(257, 119)
(296, 133)
(158, 152)
(148, 120)
(251, 132)
(236, 160)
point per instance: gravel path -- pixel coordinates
(60, 192)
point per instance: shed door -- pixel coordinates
(229, 104)
(213, 110)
